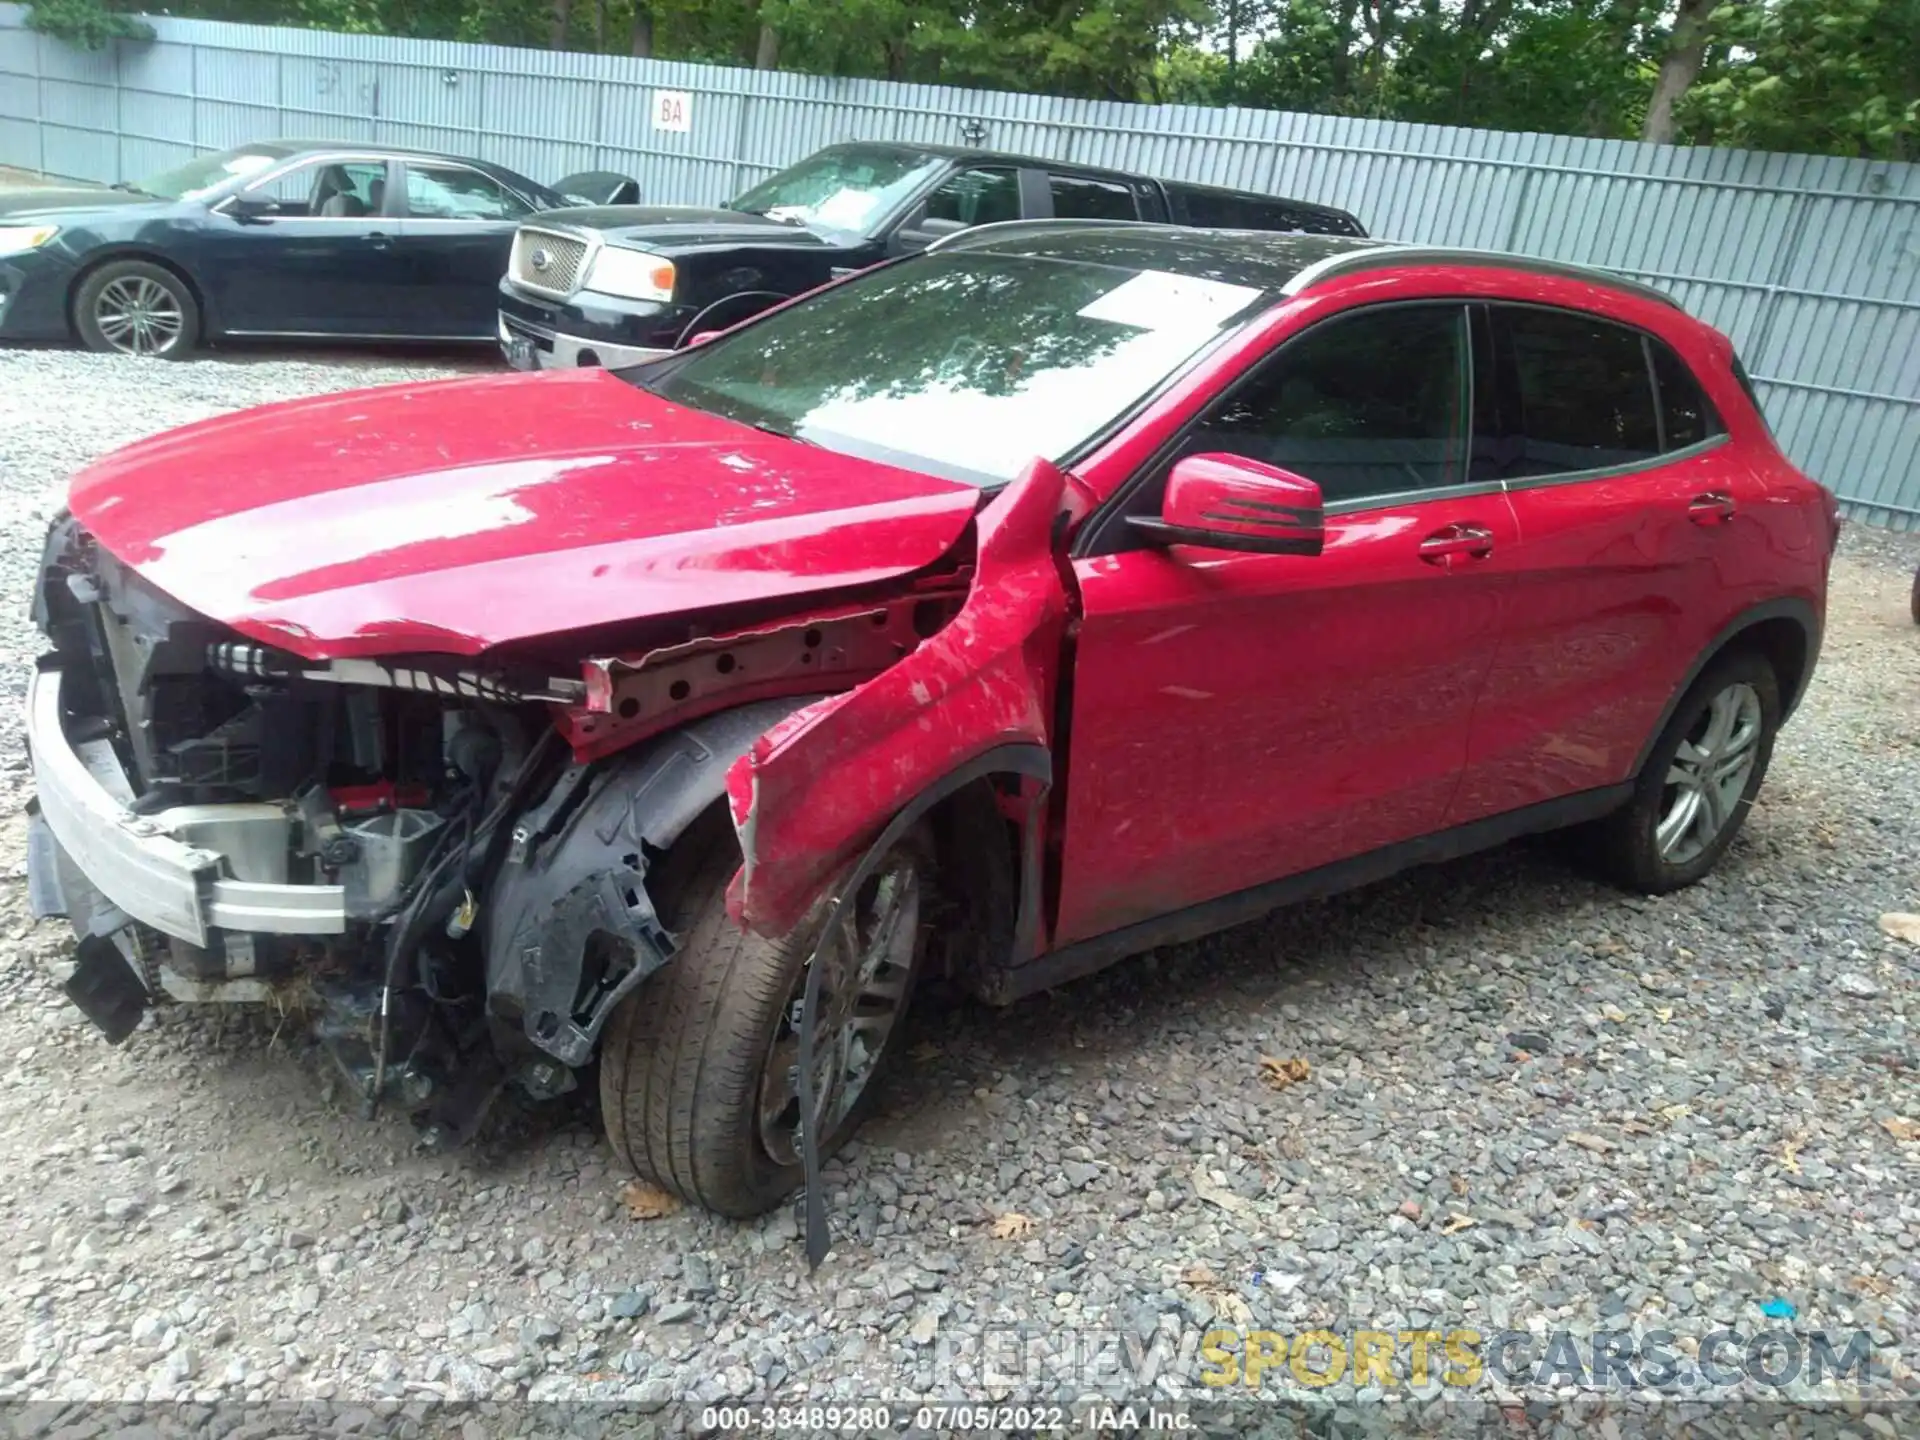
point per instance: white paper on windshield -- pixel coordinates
(843, 210)
(1158, 300)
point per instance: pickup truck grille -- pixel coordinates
(547, 261)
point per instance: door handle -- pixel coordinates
(1473, 541)
(1711, 508)
(379, 240)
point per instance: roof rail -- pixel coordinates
(1038, 227)
(1390, 253)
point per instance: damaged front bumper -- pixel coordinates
(186, 872)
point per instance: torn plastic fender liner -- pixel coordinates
(812, 791)
(1034, 762)
(577, 870)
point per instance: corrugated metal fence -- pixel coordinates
(1811, 264)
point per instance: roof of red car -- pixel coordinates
(1283, 262)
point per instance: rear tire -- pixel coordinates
(132, 307)
(693, 1063)
(1698, 784)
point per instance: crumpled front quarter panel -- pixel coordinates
(818, 786)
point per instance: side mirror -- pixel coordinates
(1227, 502)
(247, 210)
(920, 232)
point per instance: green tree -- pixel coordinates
(1838, 77)
(87, 24)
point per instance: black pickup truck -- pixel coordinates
(615, 284)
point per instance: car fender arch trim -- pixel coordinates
(1800, 611)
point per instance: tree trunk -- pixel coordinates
(1233, 51)
(1341, 61)
(1686, 50)
(643, 29)
(766, 54)
(562, 21)
(896, 55)
(600, 25)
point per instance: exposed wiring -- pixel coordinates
(442, 884)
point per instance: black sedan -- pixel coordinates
(283, 238)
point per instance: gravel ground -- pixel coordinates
(1530, 1101)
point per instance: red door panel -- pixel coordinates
(1240, 718)
(1619, 583)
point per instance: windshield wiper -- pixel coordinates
(123, 186)
(776, 432)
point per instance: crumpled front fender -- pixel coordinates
(815, 789)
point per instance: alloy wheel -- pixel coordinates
(139, 316)
(1709, 774)
(869, 961)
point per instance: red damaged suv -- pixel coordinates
(1067, 590)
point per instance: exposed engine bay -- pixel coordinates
(442, 867)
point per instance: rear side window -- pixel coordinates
(1746, 384)
(1222, 210)
(1366, 405)
(1585, 392)
(1687, 417)
(1212, 211)
(1075, 197)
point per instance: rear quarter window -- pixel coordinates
(1746, 384)
(1228, 211)
(1687, 417)
(1079, 197)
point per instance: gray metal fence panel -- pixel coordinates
(1810, 263)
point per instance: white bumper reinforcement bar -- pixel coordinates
(159, 868)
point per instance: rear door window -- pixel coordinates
(1077, 197)
(1584, 389)
(453, 192)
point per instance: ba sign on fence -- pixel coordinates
(672, 110)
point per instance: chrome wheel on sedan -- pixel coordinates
(134, 307)
(139, 316)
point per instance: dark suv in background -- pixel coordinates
(612, 285)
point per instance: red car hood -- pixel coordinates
(462, 514)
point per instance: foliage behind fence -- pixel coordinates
(1810, 263)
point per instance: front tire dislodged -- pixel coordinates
(696, 1065)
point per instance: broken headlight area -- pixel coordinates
(223, 822)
